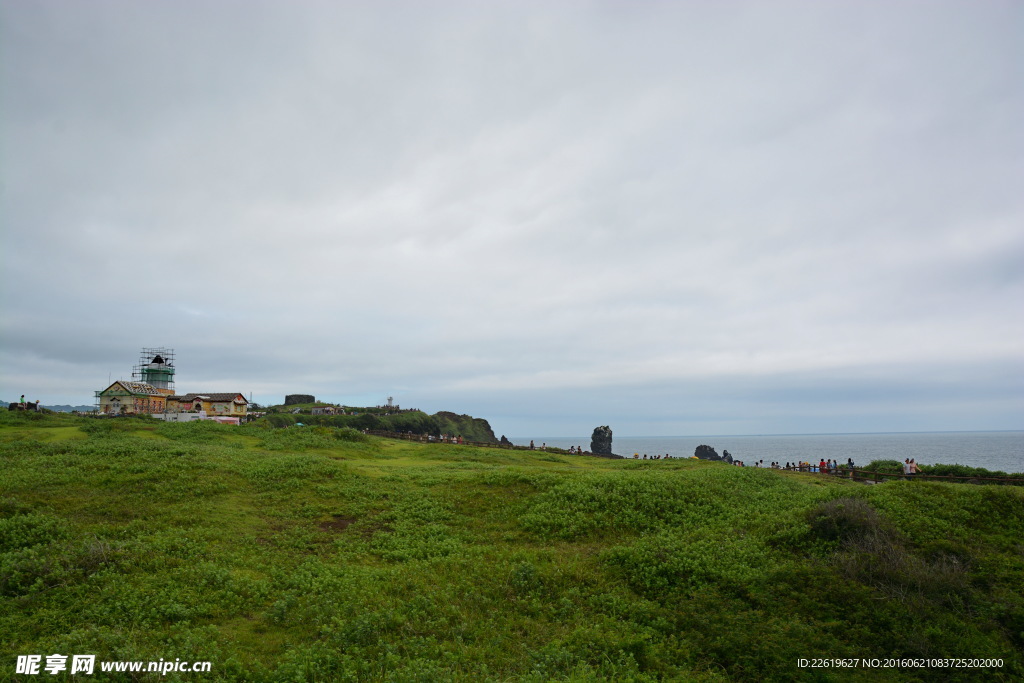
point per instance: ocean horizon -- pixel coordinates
(994, 450)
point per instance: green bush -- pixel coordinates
(967, 472)
(896, 467)
(27, 530)
(416, 422)
(872, 551)
(30, 418)
(885, 466)
(368, 421)
(279, 420)
(847, 520)
(296, 438)
(196, 431)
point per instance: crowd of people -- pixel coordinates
(446, 438)
(573, 450)
(828, 466)
(824, 466)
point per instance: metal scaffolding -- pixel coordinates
(155, 367)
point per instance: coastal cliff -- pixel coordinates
(413, 421)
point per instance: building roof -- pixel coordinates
(136, 388)
(209, 397)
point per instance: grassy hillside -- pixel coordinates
(468, 427)
(321, 554)
(417, 422)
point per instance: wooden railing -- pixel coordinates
(879, 477)
(423, 438)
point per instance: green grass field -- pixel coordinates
(318, 554)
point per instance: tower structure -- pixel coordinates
(156, 368)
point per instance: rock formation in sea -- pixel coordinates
(601, 441)
(705, 452)
(504, 441)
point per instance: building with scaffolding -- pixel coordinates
(152, 382)
(130, 398)
(156, 368)
(151, 392)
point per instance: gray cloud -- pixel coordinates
(496, 207)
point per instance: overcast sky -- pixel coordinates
(669, 217)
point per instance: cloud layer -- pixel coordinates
(670, 217)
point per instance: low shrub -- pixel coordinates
(30, 418)
(846, 519)
(873, 551)
(27, 530)
(885, 466)
(197, 431)
(966, 472)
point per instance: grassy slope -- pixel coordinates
(318, 554)
(417, 422)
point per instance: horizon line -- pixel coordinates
(690, 436)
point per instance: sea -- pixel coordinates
(998, 451)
